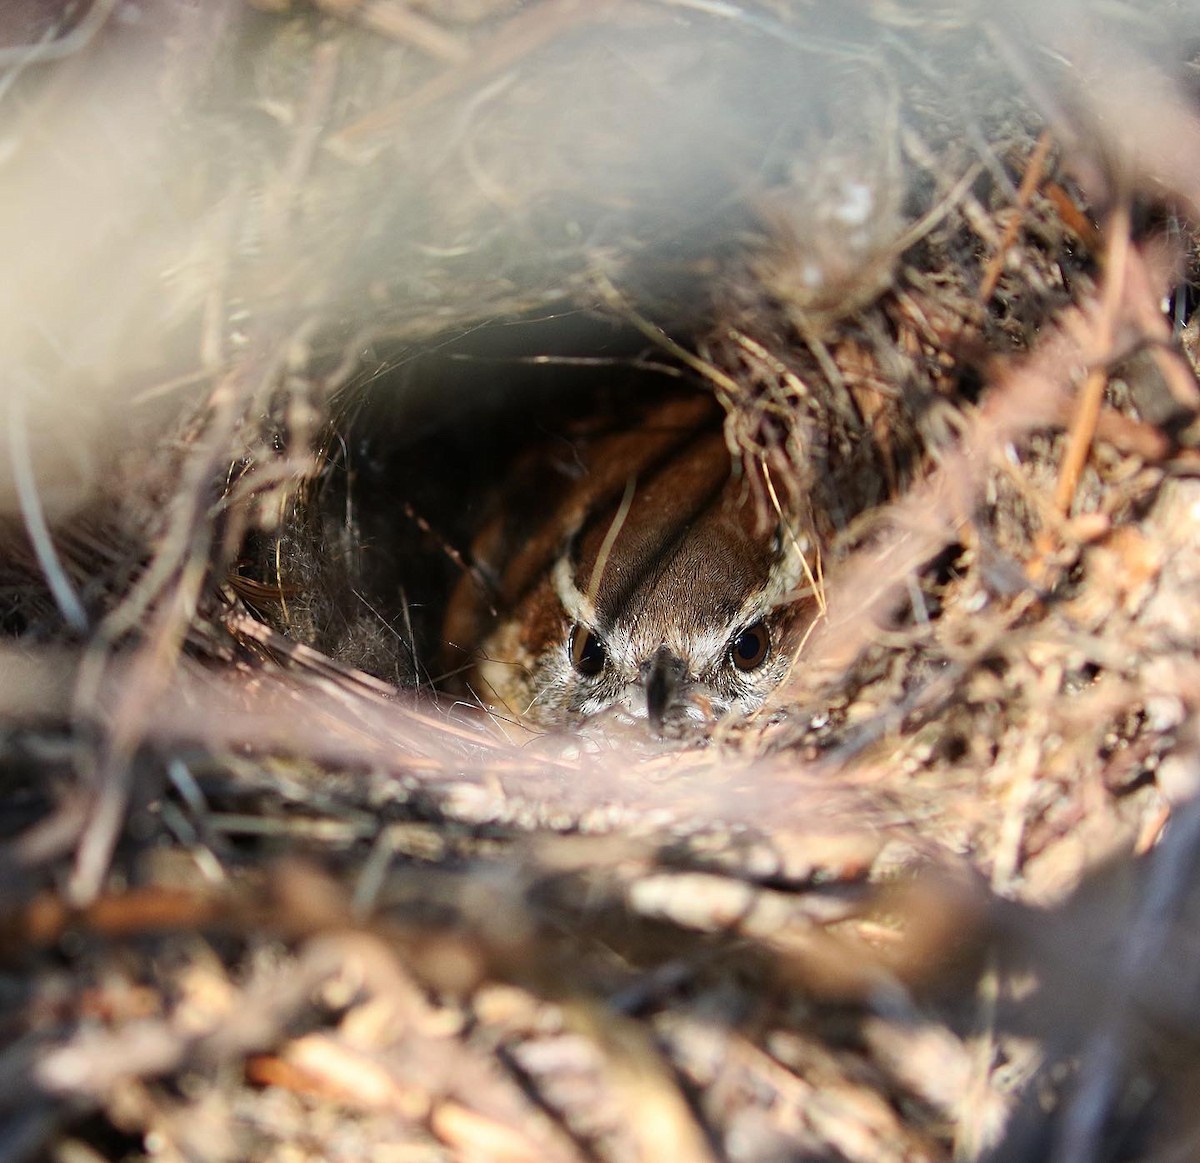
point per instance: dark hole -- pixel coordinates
(424, 440)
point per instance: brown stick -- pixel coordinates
(1091, 396)
(1029, 184)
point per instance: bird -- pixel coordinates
(630, 572)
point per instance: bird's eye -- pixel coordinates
(750, 647)
(587, 651)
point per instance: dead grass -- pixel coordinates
(266, 342)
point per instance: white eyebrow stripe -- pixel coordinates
(753, 608)
(579, 607)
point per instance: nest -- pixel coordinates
(291, 291)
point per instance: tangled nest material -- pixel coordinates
(270, 340)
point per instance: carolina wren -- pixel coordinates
(632, 571)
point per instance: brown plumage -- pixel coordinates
(630, 570)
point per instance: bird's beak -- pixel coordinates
(662, 675)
